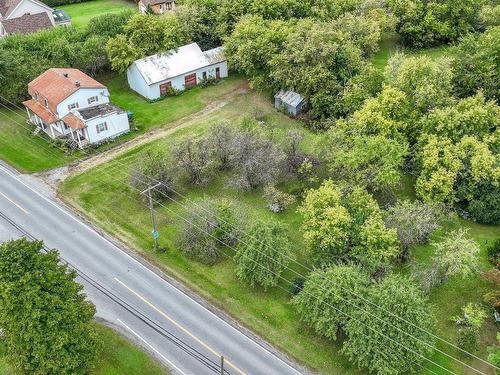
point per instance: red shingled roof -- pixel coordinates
(73, 122)
(47, 116)
(56, 84)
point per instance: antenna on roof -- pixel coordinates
(65, 75)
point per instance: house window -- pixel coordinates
(35, 96)
(101, 127)
(72, 106)
(93, 99)
(204, 75)
(46, 103)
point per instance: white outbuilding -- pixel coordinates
(181, 68)
(290, 101)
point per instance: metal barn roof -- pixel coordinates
(177, 62)
(289, 97)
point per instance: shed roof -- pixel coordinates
(289, 97)
(176, 62)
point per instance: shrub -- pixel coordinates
(277, 200)
(209, 228)
(263, 255)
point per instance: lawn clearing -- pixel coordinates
(81, 13)
(389, 45)
(119, 356)
(25, 151)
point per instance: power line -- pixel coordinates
(311, 270)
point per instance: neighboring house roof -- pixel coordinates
(289, 97)
(73, 121)
(28, 23)
(56, 84)
(176, 62)
(99, 110)
(60, 16)
(47, 116)
(8, 6)
(156, 2)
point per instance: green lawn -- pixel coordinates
(118, 357)
(25, 151)
(389, 45)
(103, 194)
(81, 13)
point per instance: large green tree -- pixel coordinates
(387, 335)
(44, 315)
(263, 254)
(330, 296)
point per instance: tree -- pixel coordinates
(44, 315)
(121, 53)
(367, 84)
(252, 45)
(144, 35)
(390, 343)
(263, 255)
(371, 161)
(277, 200)
(414, 222)
(257, 162)
(209, 228)
(326, 223)
(221, 139)
(376, 246)
(109, 24)
(329, 297)
(454, 255)
(475, 65)
(469, 326)
(426, 23)
(472, 116)
(317, 61)
(153, 168)
(192, 161)
(427, 83)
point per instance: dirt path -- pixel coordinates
(56, 176)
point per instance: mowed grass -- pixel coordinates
(25, 151)
(389, 45)
(81, 13)
(118, 357)
(149, 115)
(104, 195)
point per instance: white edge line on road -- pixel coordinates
(146, 268)
(14, 203)
(152, 347)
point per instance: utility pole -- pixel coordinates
(221, 365)
(151, 208)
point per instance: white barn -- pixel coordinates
(181, 68)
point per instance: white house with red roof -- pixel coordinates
(67, 103)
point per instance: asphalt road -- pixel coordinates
(137, 287)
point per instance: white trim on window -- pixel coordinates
(93, 99)
(72, 106)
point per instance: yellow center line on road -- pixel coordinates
(14, 203)
(206, 346)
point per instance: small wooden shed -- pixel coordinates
(290, 101)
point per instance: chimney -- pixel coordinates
(77, 83)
